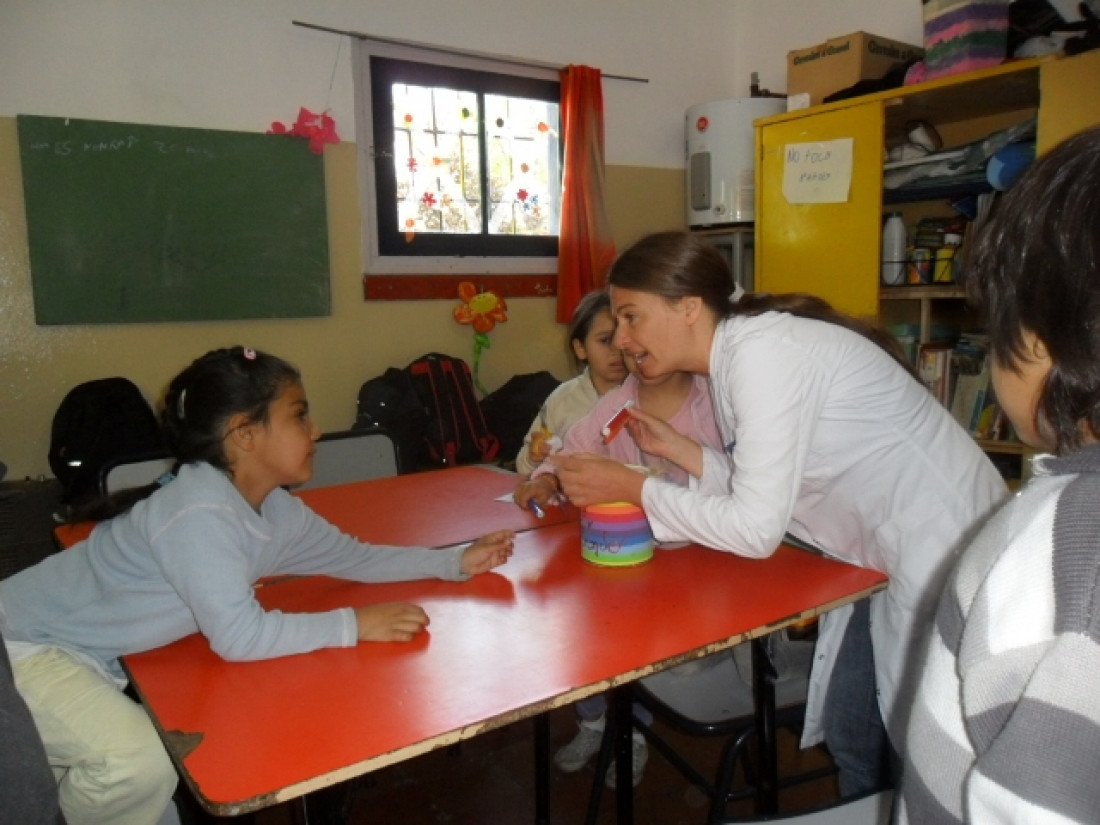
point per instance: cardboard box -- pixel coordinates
(841, 62)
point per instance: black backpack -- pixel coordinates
(510, 409)
(431, 410)
(389, 402)
(97, 422)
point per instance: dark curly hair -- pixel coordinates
(1035, 267)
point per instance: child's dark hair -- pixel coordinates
(677, 265)
(1035, 267)
(223, 383)
(197, 407)
(587, 311)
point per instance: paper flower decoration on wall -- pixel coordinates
(318, 129)
(482, 311)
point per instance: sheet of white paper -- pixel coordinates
(819, 172)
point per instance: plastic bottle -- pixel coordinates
(893, 250)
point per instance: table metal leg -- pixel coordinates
(542, 769)
(763, 684)
(624, 754)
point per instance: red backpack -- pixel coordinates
(456, 432)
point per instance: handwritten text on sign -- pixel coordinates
(818, 172)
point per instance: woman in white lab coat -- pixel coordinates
(828, 437)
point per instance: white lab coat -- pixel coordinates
(828, 438)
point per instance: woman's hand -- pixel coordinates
(657, 438)
(487, 552)
(592, 479)
(390, 622)
(541, 489)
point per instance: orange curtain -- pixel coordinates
(585, 247)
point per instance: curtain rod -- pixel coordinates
(515, 61)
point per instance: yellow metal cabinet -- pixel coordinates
(834, 249)
(824, 248)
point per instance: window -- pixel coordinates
(461, 166)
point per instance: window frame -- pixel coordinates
(411, 276)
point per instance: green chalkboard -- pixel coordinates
(133, 223)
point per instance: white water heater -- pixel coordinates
(721, 187)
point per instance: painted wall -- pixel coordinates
(242, 65)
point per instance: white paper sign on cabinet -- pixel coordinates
(818, 172)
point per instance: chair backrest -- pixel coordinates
(873, 808)
(353, 455)
(133, 471)
(718, 689)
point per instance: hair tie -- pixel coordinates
(249, 353)
(179, 403)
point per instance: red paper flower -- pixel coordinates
(428, 199)
(482, 309)
(318, 129)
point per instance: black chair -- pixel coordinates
(713, 697)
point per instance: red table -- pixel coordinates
(540, 632)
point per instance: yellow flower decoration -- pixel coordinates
(484, 310)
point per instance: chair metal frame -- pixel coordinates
(354, 455)
(739, 731)
(872, 807)
(138, 470)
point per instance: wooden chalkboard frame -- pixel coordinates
(131, 223)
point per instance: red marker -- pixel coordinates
(616, 422)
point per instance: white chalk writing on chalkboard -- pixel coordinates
(67, 148)
(136, 223)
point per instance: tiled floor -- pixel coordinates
(489, 780)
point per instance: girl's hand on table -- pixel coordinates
(587, 478)
(487, 552)
(390, 622)
(542, 489)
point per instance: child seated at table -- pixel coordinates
(1006, 724)
(590, 331)
(185, 560)
(681, 399)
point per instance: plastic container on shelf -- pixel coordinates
(893, 250)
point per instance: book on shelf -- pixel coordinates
(969, 399)
(934, 369)
(959, 376)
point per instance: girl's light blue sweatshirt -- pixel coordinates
(185, 560)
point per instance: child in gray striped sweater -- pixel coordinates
(1006, 723)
